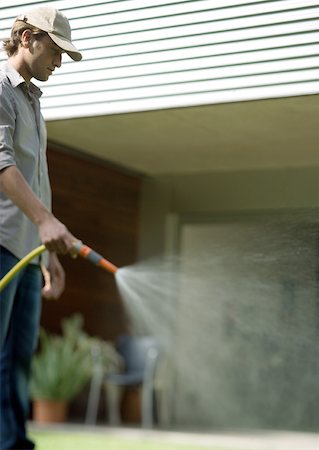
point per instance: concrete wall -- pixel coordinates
(220, 192)
(246, 319)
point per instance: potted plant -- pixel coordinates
(62, 367)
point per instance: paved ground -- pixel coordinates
(256, 440)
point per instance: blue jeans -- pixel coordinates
(20, 309)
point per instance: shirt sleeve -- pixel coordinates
(7, 126)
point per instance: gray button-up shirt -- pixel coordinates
(22, 144)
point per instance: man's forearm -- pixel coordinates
(52, 232)
(15, 187)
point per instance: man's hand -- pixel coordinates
(54, 278)
(55, 236)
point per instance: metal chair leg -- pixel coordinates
(113, 398)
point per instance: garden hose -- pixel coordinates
(23, 262)
(81, 249)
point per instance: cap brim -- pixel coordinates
(67, 46)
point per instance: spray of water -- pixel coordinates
(237, 315)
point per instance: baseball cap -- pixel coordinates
(53, 22)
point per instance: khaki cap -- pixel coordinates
(53, 22)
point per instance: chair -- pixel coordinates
(140, 356)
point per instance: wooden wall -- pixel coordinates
(100, 205)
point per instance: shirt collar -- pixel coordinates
(16, 79)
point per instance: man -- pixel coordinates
(38, 40)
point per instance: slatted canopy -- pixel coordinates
(141, 55)
(177, 87)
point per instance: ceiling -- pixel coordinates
(263, 134)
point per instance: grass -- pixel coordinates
(66, 440)
(81, 437)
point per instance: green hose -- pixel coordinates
(23, 262)
(80, 249)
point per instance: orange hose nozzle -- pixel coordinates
(94, 257)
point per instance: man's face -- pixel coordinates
(43, 57)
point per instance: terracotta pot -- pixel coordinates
(131, 405)
(46, 411)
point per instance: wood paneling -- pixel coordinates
(99, 204)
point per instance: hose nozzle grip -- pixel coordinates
(94, 257)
